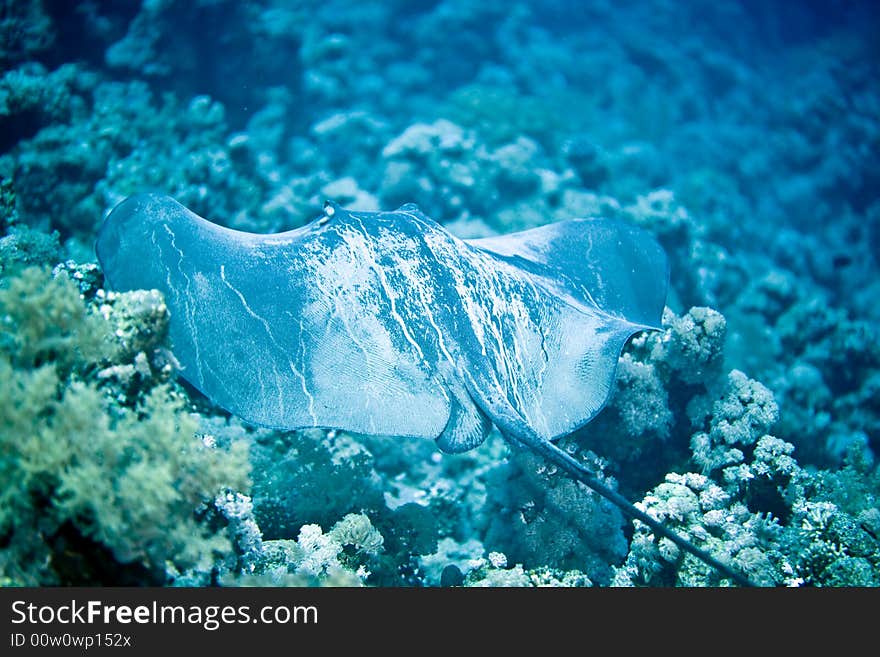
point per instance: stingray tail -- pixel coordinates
(578, 472)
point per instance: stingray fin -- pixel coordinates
(265, 326)
(606, 263)
(467, 428)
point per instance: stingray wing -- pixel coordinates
(271, 327)
(563, 299)
(613, 266)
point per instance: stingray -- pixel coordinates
(384, 323)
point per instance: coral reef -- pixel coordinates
(99, 487)
(310, 477)
(540, 517)
(752, 505)
(341, 555)
(750, 423)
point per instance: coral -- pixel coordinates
(94, 491)
(538, 516)
(149, 47)
(139, 324)
(25, 30)
(708, 275)
(636, 383)
(31, 96)
(316, 553)
(494, 572)
(88, 278)
(188, 156)
(235, 510)
(693, 346)
(659, 212)
(316, 557)
(700, 511)
(822, 366)
(770, 295)
(21, 246)
(356, 530)
(662, 378)
(101, 496)
(139, 318)
(347, 192)
(137, 143)
(451, 174)
(738, 416)
(772, 459)
(333, 136)
(338, 55)
(45, 321)
(587, 160)
(429, 164)
(500, 577)
(515, 176)
(834, 526)
(500, 114)
(310, 477)
(638, 418)
(754, 507)
(8, 210)
(846, 350)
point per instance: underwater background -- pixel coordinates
(744, 135)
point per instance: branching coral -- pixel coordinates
(702, 512)
(822, 365)
(753, 507)
(737, 417)
(339, 557)
(835, 526)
